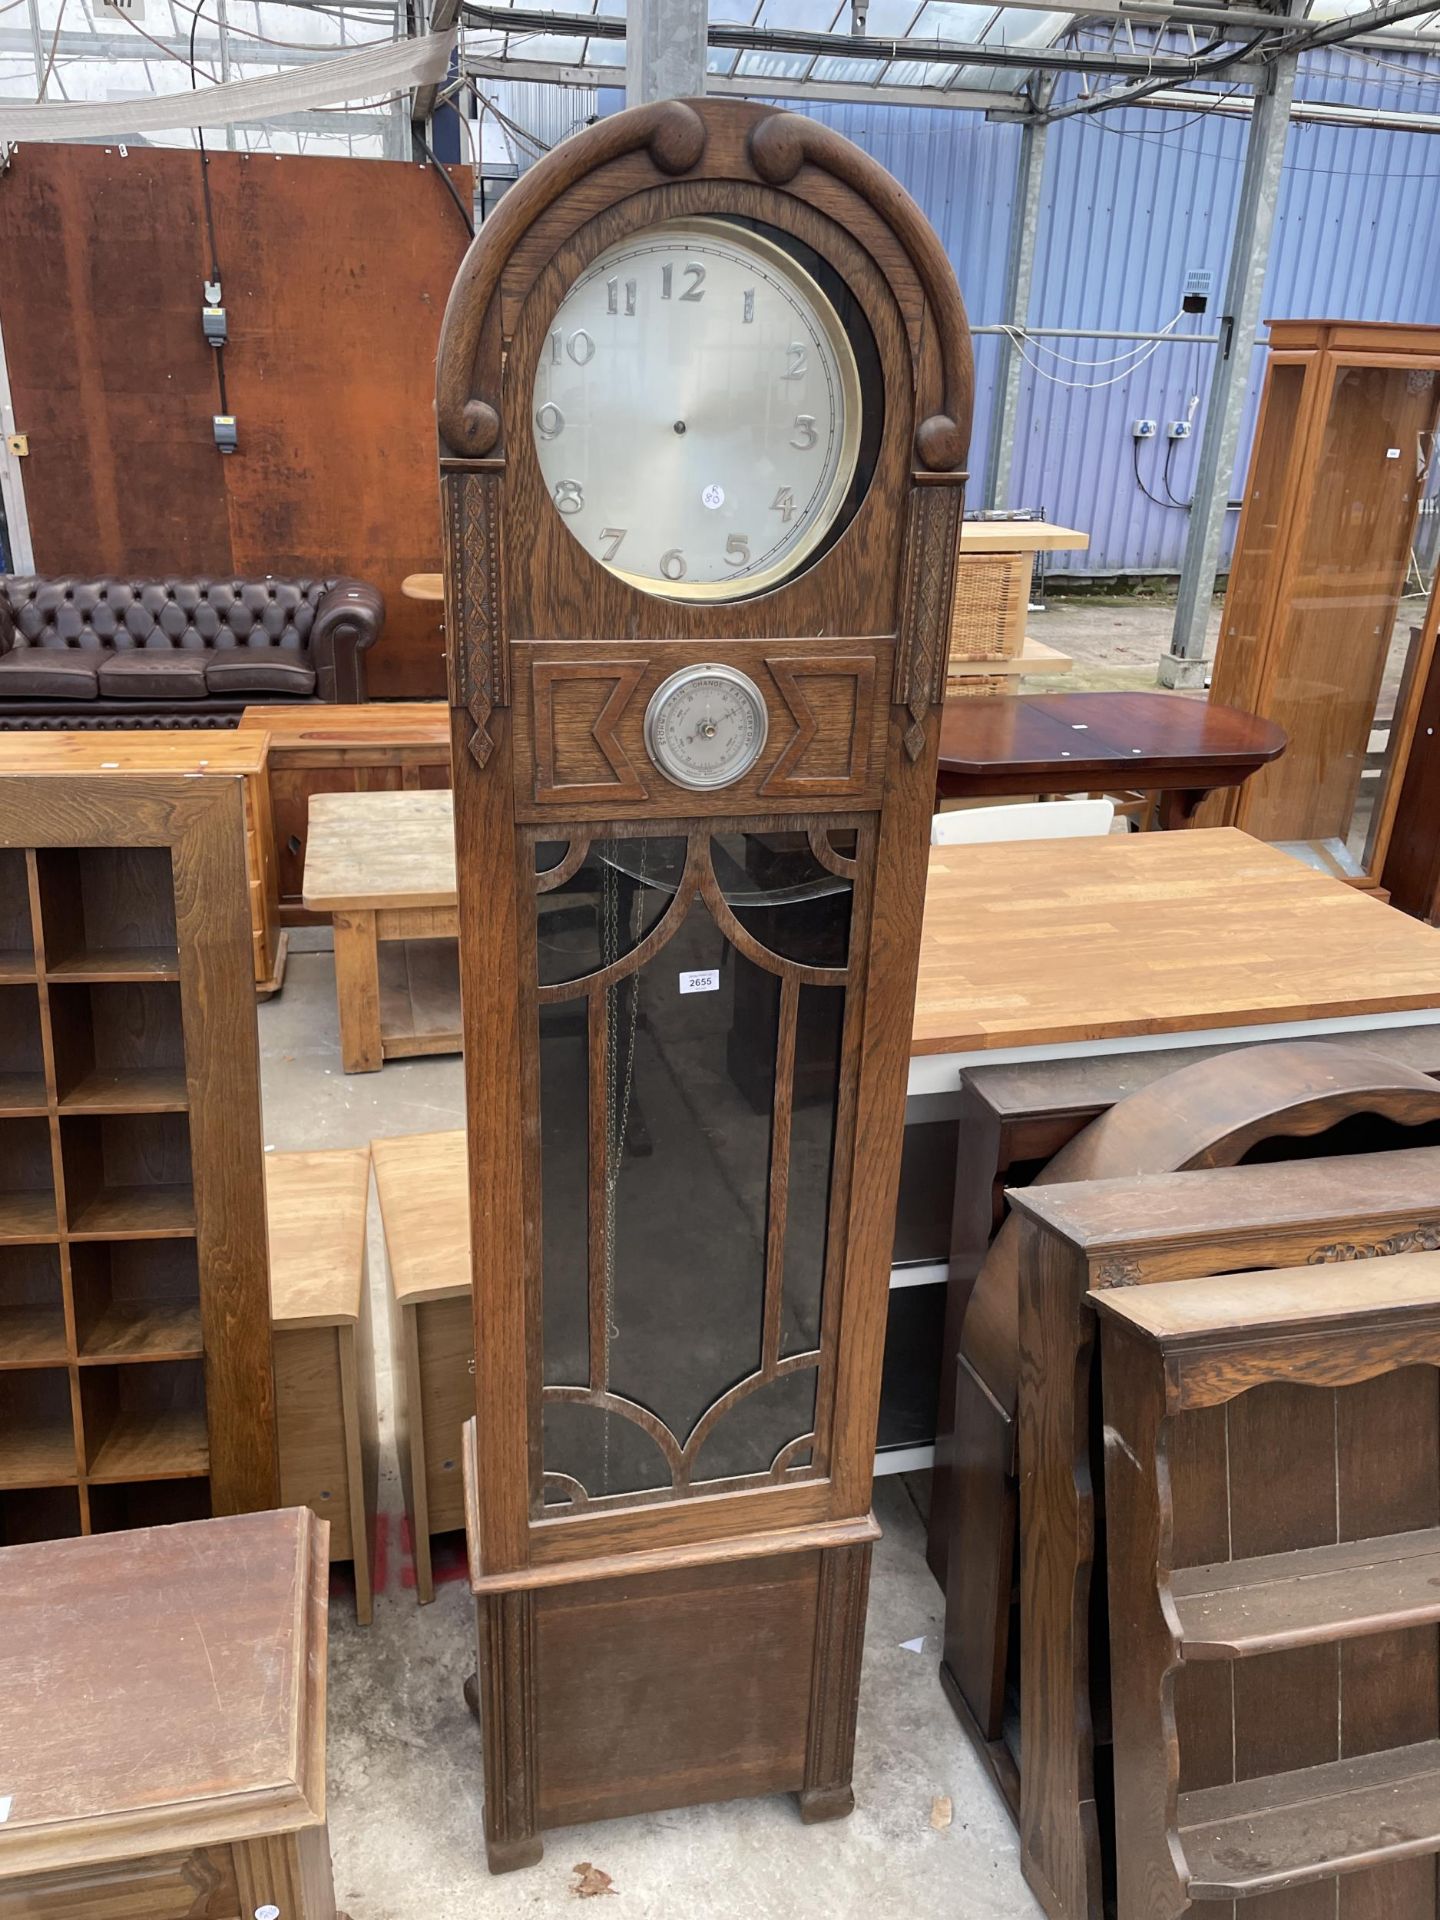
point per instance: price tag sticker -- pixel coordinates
(706, 982)
(713, 496)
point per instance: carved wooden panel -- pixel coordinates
(580, 726)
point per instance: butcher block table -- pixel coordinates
(1008, 744)
(1046, 949)
(162, 1723)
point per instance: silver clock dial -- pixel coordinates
(705, 726)
(696, 411)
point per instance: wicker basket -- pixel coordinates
(992, 597)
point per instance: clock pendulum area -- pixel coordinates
(703, 397)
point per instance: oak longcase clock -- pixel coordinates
(704, 400)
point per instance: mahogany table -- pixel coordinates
(1006, 744)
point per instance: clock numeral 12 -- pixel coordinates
(695, 289)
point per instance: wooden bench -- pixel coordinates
(1174, 1356)
(423, 1205)
(324, 1357)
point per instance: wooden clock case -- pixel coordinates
(698, 1639)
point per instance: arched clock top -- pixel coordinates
(712, 141)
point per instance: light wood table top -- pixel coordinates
(316, 1204)
(162, 1689)
(1018, 536)
(1278, 1297)
(194, 750)
(375, 723)
(371, 850)
(1050, 941)
(424, 1204)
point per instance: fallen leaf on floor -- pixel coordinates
(913, 1646)
(942, 1812)
(592, 1881)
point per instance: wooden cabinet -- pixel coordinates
(1309, 636)
(134, 1317)
(164, 1729)
(381, 747)
(1309, 1451)
(1264, 1630)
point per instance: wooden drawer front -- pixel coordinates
(173, 1886)
(310, 1420)
(445, 1333)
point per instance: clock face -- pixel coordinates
(696, 411)
(705, 726)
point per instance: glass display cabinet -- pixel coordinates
(704, 397)
(1313, 634)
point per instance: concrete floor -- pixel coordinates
(404, 1754)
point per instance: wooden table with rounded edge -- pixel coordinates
(162, 1721)
(382, 866)
(1006, 744)
(324, 1352)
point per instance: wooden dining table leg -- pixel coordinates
(1178, 806)
(357, 989)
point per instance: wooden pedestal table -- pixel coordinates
(324, 1355)
(1367, 1457)
(384, 746)
(209, 754)
(164, 1729)
(382, 865)
(1314, 1656)
(423, 1204)
(1082, 742)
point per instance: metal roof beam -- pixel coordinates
(1321, 112)
(129, 46)
(529, 22)
(753, 87)
(442, 16)
(1335, 32)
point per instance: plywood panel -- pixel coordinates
(340, 276)
(335, 276)
(109, 372)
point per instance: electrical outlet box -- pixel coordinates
(1178, 430)
(1143, 429)
(1199, 285)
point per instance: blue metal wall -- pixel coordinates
(1132, 200)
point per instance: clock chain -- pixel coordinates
(617, 1097)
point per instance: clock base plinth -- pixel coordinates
(607, 1692)
(818, 1804)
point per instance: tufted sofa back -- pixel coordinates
(201, 615)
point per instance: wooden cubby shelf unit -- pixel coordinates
(136, 1385)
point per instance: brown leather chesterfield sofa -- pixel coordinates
(177, 653)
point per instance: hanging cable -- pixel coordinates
(1019, 337)
(1154, 498)
(212, 297)
(1184, 505)
(1090, 386)
(450, 187)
